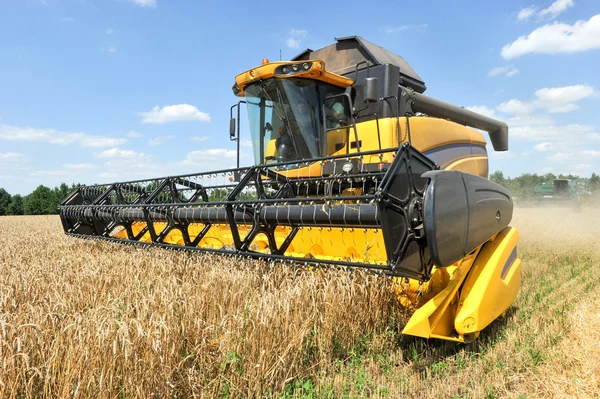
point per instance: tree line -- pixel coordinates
(44, 200)
(524, 186)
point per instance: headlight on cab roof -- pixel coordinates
(291, 69)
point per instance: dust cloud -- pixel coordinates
(559, 227)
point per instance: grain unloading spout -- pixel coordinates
(497, 130)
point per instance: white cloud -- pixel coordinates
(483, 110)
(79, 165)
(292, 43)
(561, 157)
(128, 162)
(246, 143)
(582, 167)
(109, 175)
(552, 11)
(158, 140)
(557, 38)
(516, 107)
(512, 72)
(96, 141)
(556, 8)
(68, 19)
(170, 113)
(13, 157)
(528, 120)
(544, 147)
(118, 153)
(560, 96)
(561, 99)
(294, 38)
(507, 71)
(593, 136)
(18, 133)
(499, 71)
(553, 133)
(400, 28)
(563, 144)
(517, 120)
(211, 153)
(526, 13)
(216, 158)
(109, 31)
(131, 168)
(144, 3)
(501, 155)
(199, 138)
(60, 172)
(298, 32)
(109, 50)
(563, 108)
(552, 99)
(133, 134)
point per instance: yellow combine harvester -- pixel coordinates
(354, 167)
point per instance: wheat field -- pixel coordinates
(89, 319)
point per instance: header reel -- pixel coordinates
(423, 216)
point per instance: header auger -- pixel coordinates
(354, 167)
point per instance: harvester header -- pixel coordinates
(353, 166)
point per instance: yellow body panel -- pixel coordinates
(476, 165)
(364, 245)
(317, 72)
(492, 285)
(435, 318)
(481, 288)
(426, 134)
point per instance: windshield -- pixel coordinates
(285, 118)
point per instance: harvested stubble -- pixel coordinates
(90, 319)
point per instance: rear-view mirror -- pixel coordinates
(370, 90)
(232, 132)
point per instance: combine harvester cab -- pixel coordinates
(354, 167)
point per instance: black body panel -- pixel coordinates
(461, 211)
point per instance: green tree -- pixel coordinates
(16, 205)
(593, 184)
(498, 177)
(4, 201)
(218, 194)
(60, 193)
(40, 202)
(550, 177)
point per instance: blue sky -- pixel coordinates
(106, 90)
